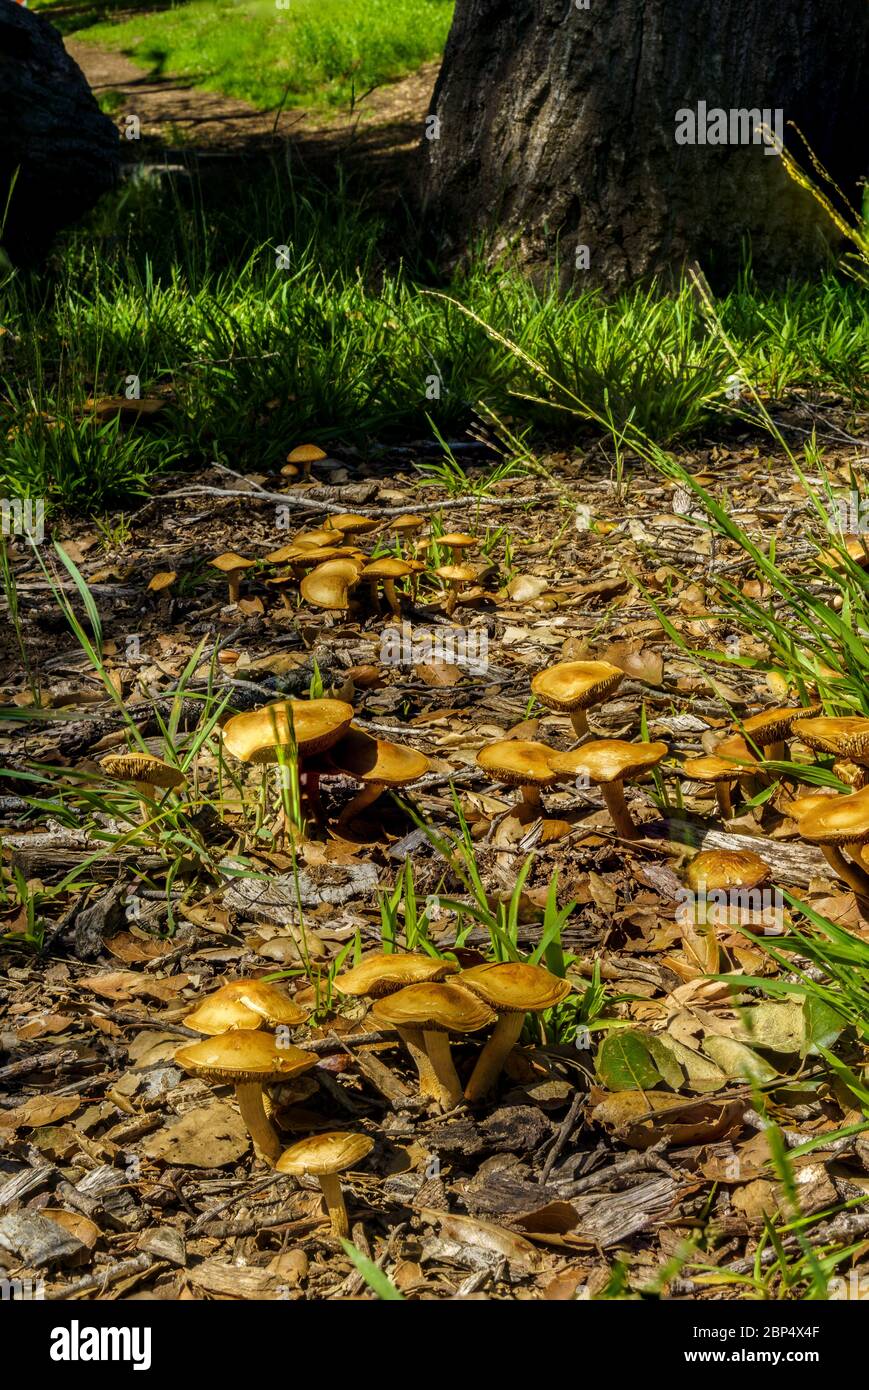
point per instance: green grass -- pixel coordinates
(314, 51)
(183, 286)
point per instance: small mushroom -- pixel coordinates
(771, 728)
(722, 869)
(351, 524)
(512, 989)
(722, 772)
(841, 829)
(457, 542)
(314, 725)
(162, 580)
(249, 1061)
(520, 763)
(329, 585)
(456, 577)
(435, 1011)
(377, 764)
(324, 1156)
(385, 571)
(379, 973)
(244, 1004)
(406, 528)
(304, 456)
(609, 763)
(145, 772)
(233, 566)
(573, 687)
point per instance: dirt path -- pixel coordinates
(388, 121)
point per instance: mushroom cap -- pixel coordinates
(710, 768)
(378, 974)
(387, 567)
(324, 1153)
(812, 801)
(229, 561)
(514, 987)
(518, 762)
(243, 1055)
(328, 585)
(844, 822)
(609, 759)
(351, 524)
(436, 1008)
(317, 535)
(309, 556)
(573, 685)
(456, 540)
(735, 748)
(368, 759)
(290, 470)
(244, 1004)
(141, 767)
(771, 725)
(714, 869)
(317, 724)
(848, 736)
(407, 522)
(305, 453)
(164, 579)
(456, 574)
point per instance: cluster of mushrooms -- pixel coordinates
(421, 998)
(317, 733)
(325, 565)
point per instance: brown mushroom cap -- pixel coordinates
(324, 1153)
(514, 987)
(848, 737)
(735, 747)
(710, 768)
(141, 767)
(244, 1004)
(609, 759)
(573, 685)
(407, 522)
(351, 524)
(773, 725)
(456, 540)
(243, 1055)
(378, 974)
(317, 724)
(164, 579)
(387, 567)
(844, 822)
(812, 801)
(456, 574)
(329, 585)
(435, 1008)
(518, 762)
(368, 759)
(723, 869)
(229, 562)
(306, 453)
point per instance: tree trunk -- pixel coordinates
(557, 129)
(55, 143)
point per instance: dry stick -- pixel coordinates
(243, 1195)
(564, 1132)
(316, 505)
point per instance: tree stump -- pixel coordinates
(558, 129)
(55, 144)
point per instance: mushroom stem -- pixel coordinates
(415, 1044)
(360, 801)
(723, 798)
(391, 596)
(452, 597)
(233, 580)
(775, 752)
(579, 720)
(143, 791)
(375, 596)
(249, 1095)
(613, 794)
(856, 878)
(491, 1060)
(312, 795)
(335, 1204)
(447, 1088)
(531, 797)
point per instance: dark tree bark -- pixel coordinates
(558, 129)
(57, 145)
